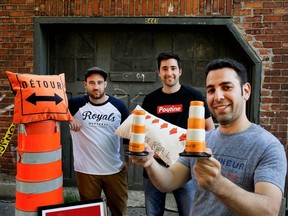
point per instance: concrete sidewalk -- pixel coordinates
(7, 208)
(135, 202)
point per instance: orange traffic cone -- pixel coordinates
(39, 176)
(137, 139)
(195, 137)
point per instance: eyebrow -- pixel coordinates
(221, 84)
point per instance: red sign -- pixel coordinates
(91, 208)
(175, 108)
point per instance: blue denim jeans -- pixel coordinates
(155, 199)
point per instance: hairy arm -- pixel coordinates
(127, 162)
(165, 179)
(265, 200)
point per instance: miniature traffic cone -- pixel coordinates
(137, 138)
(195, 137)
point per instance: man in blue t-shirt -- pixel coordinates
(246, 173)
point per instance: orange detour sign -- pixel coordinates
(195, 137)
(39, 97)
(39, 176)
(137, 137)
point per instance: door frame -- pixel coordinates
(41, 45)
(41, 48)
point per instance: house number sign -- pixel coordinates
(151, 20)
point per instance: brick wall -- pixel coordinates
(263, 23)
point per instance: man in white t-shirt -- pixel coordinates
(96, 147)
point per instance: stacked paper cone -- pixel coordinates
(195, 138)
(137, 139)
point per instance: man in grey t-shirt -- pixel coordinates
(246, 173)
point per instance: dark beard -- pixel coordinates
(96, 97)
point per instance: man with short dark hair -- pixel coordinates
(171, 103)
(246, 173)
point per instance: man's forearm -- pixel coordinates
(159, 175)
(245, 203)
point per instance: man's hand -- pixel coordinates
(208, 172)
(74, 124)
(143, 161)
(125, 167)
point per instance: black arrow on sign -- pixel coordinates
(34, 99)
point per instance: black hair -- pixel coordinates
(228, 63)
(166, 56)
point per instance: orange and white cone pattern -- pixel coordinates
(195, 137)
(137, 138)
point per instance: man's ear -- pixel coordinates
(246, 91)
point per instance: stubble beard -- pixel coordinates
(170, 84)
(96, 96)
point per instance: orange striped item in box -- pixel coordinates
(137, 138)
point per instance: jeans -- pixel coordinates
(155, 199)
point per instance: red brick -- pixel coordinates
(112, 8)
(271, 86)
(188, 10)
(182, 8)
(229, 4)
(270, 100)
(195, 7)
(245, 12)
(144, 7)
(280, 51)
(77, 7)
(83, 8)
(125, 7)
(253, 4)
(150, 7)
(272, 18)
(119, 8)
(279, 93)
(176, 7)
(262, 11)
(252, 19)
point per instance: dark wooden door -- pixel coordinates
(128, 53)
